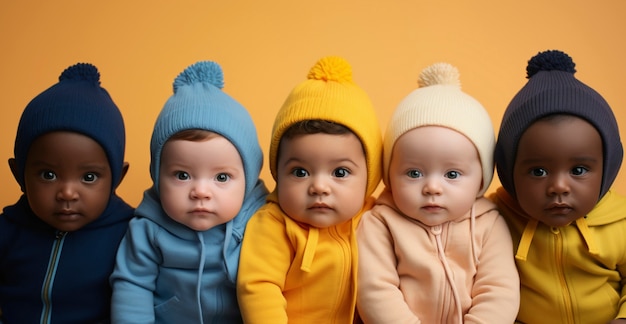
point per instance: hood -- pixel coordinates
(609, 209)
(313, 233)
(232, 231)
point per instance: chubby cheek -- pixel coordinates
(289, 200)
(97, 207)
(529, 201)
(172, 201)
(232, 207)
(354, 205)
(42, 200)
(41, 205)
(405, 201)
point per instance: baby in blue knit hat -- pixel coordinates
(58, 242)
(178, 262)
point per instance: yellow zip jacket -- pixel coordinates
(570, 274)
(290, 272)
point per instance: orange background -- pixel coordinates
(267, 47)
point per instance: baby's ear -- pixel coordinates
(482, 186)
(13, 167)
(125, 167)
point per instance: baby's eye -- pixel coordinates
(341, 172)
(222, 177)
(299, 172)
(414, 173)
(538, 172)
(453, 174)
(579, 171)
(182, 175)
(48, 175)
(90, 177)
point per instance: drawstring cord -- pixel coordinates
(436, 230)
(472, 232)
(309, 249)
(200, 270)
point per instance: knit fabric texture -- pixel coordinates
(330, 94)
(77, 103)
(552, 89)
(439, 101)
(198, 102)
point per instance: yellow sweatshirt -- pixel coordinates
(570, 274)
(290, 272)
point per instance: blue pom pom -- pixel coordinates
(552, 60)
(81, 72)
(201, 72)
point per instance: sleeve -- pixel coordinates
(496, 287)
(266, 255)
(379, 299)
(6, 236)
(621, 268)
(134, 278)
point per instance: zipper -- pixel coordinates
(567, 302)
(46, 291)
(346, 287)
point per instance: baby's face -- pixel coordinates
(67, 180)
(201, 184)
(321, 178)
(434, 174)
(558, 170)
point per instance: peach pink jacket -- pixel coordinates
(461, 271)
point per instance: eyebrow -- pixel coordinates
(577, 159)
(336, 161)
(83, 166)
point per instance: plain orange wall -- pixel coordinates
(266, 47)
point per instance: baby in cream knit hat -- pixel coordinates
(433, 249)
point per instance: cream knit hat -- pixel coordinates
(439, 101)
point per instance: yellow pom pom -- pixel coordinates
(331, 68)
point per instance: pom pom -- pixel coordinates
(81, 72)
(549, 61)
(201, 72)
(331, 68)
(439, 73)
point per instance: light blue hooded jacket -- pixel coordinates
(169, 273)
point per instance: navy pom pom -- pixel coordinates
(549, 61)
(81, 72)
(201, 72)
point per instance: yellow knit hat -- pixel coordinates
(330, 94)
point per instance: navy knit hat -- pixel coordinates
(553, 89)
(77, 103)
(198, 102)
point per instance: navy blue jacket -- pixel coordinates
(47, 276)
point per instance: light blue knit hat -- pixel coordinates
(198, 102)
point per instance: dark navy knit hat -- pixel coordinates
(198, 102)
(77, 103)
(553, 89)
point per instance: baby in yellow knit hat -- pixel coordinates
(299, 254)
